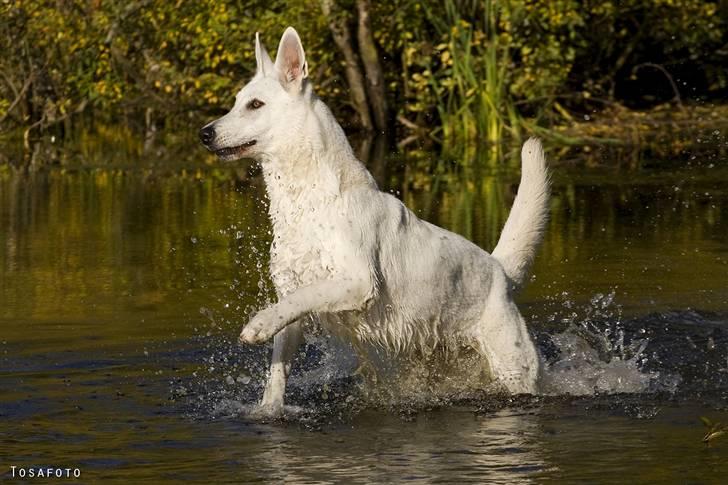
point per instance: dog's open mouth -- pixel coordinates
(234, 152)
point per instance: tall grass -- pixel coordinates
(472, 92)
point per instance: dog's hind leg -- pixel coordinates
(285, 345)
(511, 353)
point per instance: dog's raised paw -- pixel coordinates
(247, 336)
(257, 331)
(252, 335)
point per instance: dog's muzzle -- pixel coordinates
(207, 137)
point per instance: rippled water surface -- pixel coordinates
(122, 292)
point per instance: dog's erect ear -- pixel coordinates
(265, 63)
(291, 61)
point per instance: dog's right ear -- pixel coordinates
(265, 63)
(291, 61)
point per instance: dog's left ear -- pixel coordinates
(291, 61)
(262, 59)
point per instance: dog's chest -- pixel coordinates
(304, 240)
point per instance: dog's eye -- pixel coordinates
(255, 104)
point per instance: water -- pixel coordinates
(123, 289)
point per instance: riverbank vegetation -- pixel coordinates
(456, 74)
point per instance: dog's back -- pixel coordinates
(432, 284)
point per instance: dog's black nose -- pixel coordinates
(207, 134)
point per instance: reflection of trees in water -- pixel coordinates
(502, 447)
(475, 202)
(69, 237)
(75, 240)
(643, 231)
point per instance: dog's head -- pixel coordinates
(267, 109)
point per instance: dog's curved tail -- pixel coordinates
(526, 224)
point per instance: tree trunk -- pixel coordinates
(373, 153)
(354, 76)
(370, 59)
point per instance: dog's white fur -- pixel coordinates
(356, 258)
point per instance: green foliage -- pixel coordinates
(462, 70)
(174, 58)
(682, 35)
(482, 59)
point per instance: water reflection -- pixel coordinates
(79, 244)
(113, 283)
(452, 446)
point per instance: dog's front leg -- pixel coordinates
(285, 345)
(334, 295)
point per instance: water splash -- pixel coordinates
(582, 370)
(590, 350)
(595, 354)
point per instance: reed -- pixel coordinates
(472, 97)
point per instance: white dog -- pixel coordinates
(356, 258)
